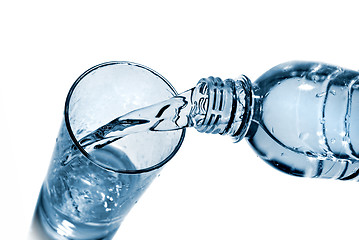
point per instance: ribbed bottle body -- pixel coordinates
(306, 120)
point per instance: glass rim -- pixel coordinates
(82, 150)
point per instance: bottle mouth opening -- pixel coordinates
(227, 106)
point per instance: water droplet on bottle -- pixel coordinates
(315, 78)
(332, 140)
(320, 94)
(294, 73)
(303, 136)
(333, 92)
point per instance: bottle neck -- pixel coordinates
(222, 106)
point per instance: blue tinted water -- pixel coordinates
(81, 200)
(84, 197)
(171, 114)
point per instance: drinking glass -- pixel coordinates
(86, 199)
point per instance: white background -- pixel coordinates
(212, 189)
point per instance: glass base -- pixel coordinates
(42, 229)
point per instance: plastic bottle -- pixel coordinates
(302, 118)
